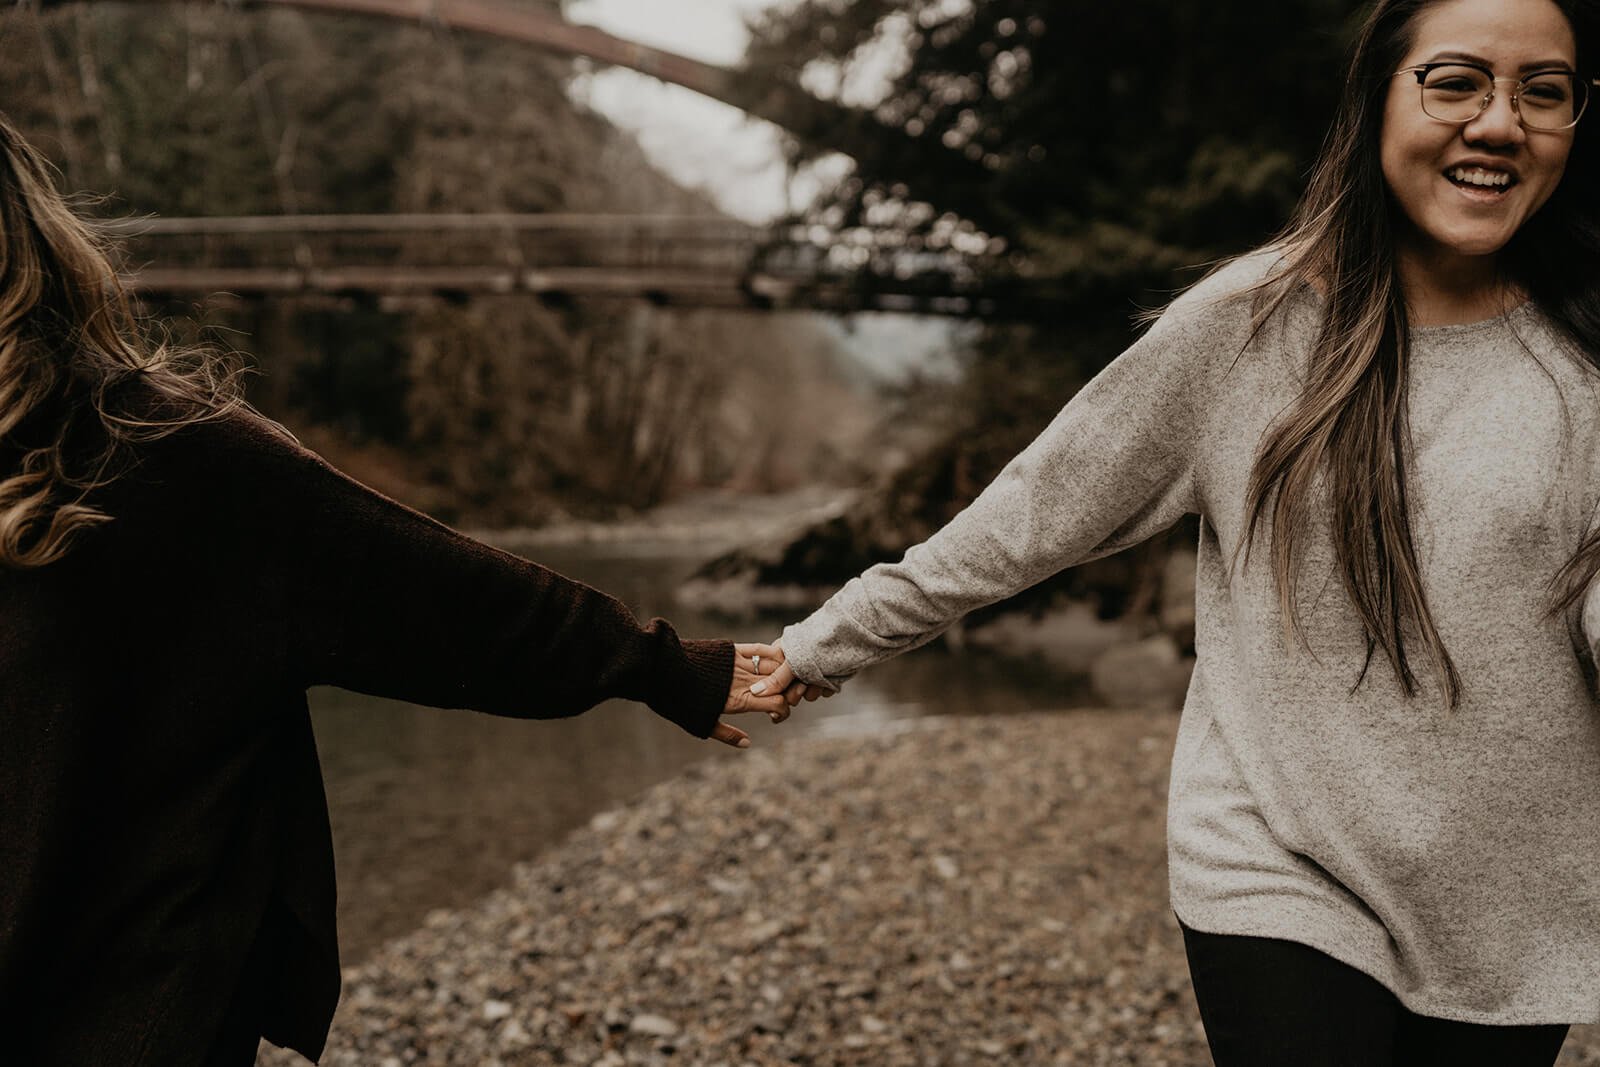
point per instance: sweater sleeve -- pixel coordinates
(384, 600)
(1117, 465)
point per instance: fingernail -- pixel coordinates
(759, 688)
(744, 742)
(774, 717)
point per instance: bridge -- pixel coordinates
(671, 260)
(676, 261)
(545, 29)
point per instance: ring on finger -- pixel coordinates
(757, 661)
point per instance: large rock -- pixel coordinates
(794, 571)
(1147, 673)
(1069, 638)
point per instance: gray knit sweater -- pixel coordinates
(1452, 855)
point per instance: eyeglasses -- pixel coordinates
(1546, 100)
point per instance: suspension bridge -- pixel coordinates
(680, 261)
(674, 261)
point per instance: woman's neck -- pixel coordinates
(1445, 290)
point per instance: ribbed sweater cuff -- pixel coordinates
(691, 685)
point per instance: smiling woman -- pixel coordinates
(1480, 149)
(1395, 409)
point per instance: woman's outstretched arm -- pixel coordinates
(1118, 464)
(381, 599)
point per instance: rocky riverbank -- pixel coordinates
(964, 892)
(971, 891)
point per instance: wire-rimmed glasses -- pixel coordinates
(1544, 100)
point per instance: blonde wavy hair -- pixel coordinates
(82, 378)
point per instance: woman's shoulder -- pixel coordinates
(157, 415)
(1231, 286)
(242, 429)
(1219, 312)
(231, 449)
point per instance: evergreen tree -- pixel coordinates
(1109, 145)
(1112, 150)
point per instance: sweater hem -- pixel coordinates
(1324, 936)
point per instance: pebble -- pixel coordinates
(980, 891)
(653, 1025)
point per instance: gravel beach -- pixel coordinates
(955, 891)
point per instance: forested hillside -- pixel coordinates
(501, 410)
(1111, 151)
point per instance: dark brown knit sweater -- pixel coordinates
(160, 800)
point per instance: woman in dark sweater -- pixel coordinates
(175, 571)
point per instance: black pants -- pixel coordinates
(1267, 1003)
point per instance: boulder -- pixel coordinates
(1151, 672)
(1068, 637)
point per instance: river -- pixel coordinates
(432, 808)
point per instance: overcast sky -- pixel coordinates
(708, 30)
(705, 144)
(698, 141)
(710, 145)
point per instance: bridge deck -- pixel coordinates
(673, 260)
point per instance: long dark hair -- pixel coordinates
(81, 379)
(1348, 428)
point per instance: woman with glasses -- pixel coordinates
(1384, 814)
(175, 571)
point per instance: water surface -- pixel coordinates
(432, 808)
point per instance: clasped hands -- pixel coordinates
(762, 681)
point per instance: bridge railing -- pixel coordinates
(693, 260)
(442, 241)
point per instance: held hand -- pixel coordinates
(782, 681)
(748, 660)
